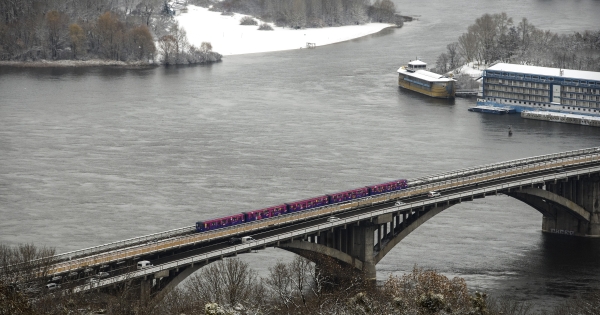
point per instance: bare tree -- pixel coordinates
(468, 46)
(206, 47)
(441, 64)
(77, 38)
(227, 282)
(454, 60)
(111, 35)
(56, 25)
(279, 283)
(166, 47)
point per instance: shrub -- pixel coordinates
(265, 27)
(248, 20)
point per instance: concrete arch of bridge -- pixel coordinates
(407, 230)
(535, 198)
(308, 250)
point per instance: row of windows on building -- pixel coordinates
(564, 88)
(534, 85)
(580, 90)
(581, 97)
(523, 97)
(580, 103)
(502, 88)
(519, 76)
(540, 78)
(589, 106)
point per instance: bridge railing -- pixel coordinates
(448, 179)
(123, 243)
(300, 233)
(505, 164)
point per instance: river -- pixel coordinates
(94, 155)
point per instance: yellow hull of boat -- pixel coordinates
(437, 90)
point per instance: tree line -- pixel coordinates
(496, 37)
(314, 13)
(121, 30)
(230, 286)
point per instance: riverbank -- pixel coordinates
(77, 63)
(228, 37)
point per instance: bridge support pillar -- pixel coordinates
(146, 288)
(170, 279)
(585, 193)
(363, 241)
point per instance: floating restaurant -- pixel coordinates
(415, 77)
(531, 88)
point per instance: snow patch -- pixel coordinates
(228, 37)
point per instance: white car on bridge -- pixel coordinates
(433, 194)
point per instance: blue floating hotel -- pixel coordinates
(530, 88)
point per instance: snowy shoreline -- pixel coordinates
(228, 37)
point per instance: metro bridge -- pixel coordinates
(564, 187)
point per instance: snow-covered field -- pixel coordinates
(228, 37)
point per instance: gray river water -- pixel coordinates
(90, 156)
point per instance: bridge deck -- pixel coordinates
(140, 250)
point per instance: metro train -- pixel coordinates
(301, 205)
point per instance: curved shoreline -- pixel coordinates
(76, 64)
(234, 39)
(229, 38)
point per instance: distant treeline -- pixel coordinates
(314, 13)
(124, 30)
(496, 38)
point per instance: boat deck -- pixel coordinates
(492, 110)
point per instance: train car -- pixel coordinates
(265, 213)
(387, 187)
(295, 206)
(308, 203)
(218, 223)
(280, 210)
(349, 195)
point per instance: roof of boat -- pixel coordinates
(425, 75)
(417, 63)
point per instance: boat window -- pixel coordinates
(550, 79)
(527, 77)
(504, 73)
(536, 77)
